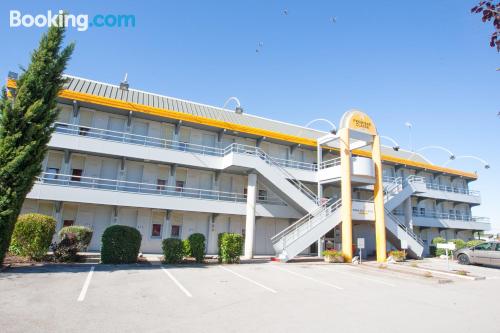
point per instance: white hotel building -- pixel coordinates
(170, 168)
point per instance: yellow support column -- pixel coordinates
(378, 200)
(346, 191)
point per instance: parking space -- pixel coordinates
(245, 298)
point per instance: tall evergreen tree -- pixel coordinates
(26, 126)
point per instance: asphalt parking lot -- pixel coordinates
(257, 297)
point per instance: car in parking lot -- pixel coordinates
(487, 253)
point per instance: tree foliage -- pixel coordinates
(26, 126)
(490, 11)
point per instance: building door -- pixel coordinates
(117, 126)
(134, 176)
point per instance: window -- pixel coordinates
(245, 192)
(414, 210)
(83, 131)
(498, 247)
(76, 175)
(160, 184)
(68, 223)
(422, 211)
(179, 185)
(156, 230)
(52, 173)
(262, 195)
(483, 247)
(175, 231)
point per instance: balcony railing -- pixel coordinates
(146, 188)
(446, 216)
(130, 138)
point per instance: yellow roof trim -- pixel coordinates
(109, 102)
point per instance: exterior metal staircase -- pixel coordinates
(298, 236)
(399, 190)
(278, 178)
(397, 231)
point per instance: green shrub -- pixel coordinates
(173, 250)
(186, 248)
(439, 240)
(197, 246)
(32, 235)
(459, 243)
(398, 255)
(67, 249)
(473, 242)
(120, 245)
(82, 234)
(230, 247)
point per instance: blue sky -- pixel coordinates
(427, 62)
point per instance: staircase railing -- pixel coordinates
(404, 227)
(256, 151)
(306, 223)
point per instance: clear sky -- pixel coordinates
(426, 62)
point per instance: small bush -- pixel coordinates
(230, 247)
(459, 243)
(473, 242)
(173, 250)
(32, 235)
(67, 249)
(186, 248)
(197, 246)
(83, 235)
(120, 245)
(398, 255)
(438, 240)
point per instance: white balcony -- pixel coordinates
(103, 141)
(58, 187)
(362, 171)
(435, 219)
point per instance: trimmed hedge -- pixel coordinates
(120, 245)
(32, 235)
(230, 247)
(67, 249)
(82, 234)
(173, 250)
(459, 243)
(474, 242)
(438, 252)
(197, 246)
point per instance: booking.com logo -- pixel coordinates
(81, 22)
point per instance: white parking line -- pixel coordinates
(86, 284)
(359, 276)
(181, 287)
(307, 277)
(249, 280)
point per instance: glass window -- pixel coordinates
(84, 131)
(179, 185)
(160, 184)
(76, 175)
(68, 223)
(52, 173)
(483, 247)
(175, 231)
(156, 230)
(498, 247)
(422, 211)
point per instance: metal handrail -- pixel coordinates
(330, 163)
(145, 188)
(404, 227)
(131, 138)
(256, 151)
(321, 213)
(447, 216)
(443, 188)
